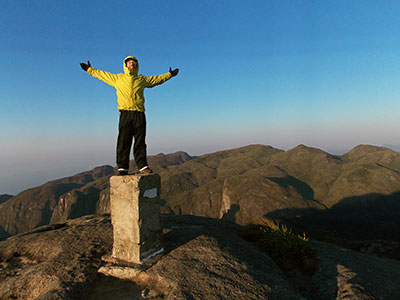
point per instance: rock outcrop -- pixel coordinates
(54, 262)
(35, 207)
(204, 259)
(345, 274)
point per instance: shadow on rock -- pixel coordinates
(231, 213)
(181, 229)
(370, 216)
(211, 255)
(344, 273)
(110, 288)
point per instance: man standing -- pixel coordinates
(132, 120)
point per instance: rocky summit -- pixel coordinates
(204, 259)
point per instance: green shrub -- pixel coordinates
(288, 250)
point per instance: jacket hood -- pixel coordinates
(126, 70)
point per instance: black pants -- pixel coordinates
(132, 124)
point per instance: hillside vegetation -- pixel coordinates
(303, 185)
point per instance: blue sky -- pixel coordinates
(280, 73)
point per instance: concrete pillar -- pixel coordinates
(135, 217)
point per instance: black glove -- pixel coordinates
(85, 66)
(174, 72)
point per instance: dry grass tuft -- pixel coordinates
(290, 251)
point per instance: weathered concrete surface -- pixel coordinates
(135, 216)
(119, 271)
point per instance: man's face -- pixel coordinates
(131, 64)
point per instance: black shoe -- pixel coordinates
(121, 172)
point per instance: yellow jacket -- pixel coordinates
(130, 86)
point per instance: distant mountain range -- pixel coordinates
(67, 198)
(393, 147)
(5, 197)
(355, 193)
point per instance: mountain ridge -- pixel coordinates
(5, 197)
(65, 198)
(241, 185)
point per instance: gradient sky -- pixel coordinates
(321, 73)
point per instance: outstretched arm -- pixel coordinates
(107, 77)
(159, 79)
